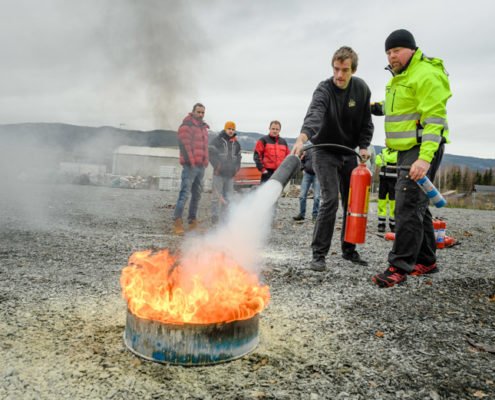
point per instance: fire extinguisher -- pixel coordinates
(357, 207)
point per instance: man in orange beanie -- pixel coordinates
(225, 157)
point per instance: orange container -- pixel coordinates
(440, 227)
(390, 236)
(247, 176)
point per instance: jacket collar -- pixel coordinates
(227, 137)
(190, 118)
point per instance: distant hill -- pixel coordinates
(96, 144)
(33, 145)
(70, 136)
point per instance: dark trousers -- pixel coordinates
(414, 236)
(334, 173)
(386, 186)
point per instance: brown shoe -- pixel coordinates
(193, 225)
(178, 227)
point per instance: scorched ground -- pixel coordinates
(331, 335)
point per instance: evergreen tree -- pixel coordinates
(478, 179)
(456, 178)
(487, 178)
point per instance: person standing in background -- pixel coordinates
(225, 158)
(270, 151)
(193, 146)
(387, 162)
(309, 180)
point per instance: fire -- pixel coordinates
(156, 287)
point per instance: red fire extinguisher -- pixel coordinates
(357, 207)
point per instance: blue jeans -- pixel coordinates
(191, 184)
(223, 188)
(309, 180)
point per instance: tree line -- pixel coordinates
(462, 179)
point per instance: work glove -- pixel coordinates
(377, 108)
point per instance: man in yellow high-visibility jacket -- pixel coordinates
(415, 110)
(387, 162)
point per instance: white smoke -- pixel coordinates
(242, 237)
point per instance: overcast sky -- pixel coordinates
(142, 64)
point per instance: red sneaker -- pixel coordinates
(420, 269)
(392, 276)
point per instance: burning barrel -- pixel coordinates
(190, 317)
(190, 344)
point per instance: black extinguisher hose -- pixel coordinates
(338, 147)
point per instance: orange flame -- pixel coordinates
(159, 289)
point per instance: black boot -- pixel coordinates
(354, 257)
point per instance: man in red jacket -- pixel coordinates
(270, 151)
(193, 145)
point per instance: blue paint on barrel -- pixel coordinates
(190, 344)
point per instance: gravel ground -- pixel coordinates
(329, 335)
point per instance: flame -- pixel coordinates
(156, 287)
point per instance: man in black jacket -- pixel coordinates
(339, 113)
(225, 158)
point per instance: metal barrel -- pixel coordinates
(190, 344)
(285, 171)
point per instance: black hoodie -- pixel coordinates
(225, 155)
(340, 116)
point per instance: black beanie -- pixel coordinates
(400, 38)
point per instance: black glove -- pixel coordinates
(376, 108)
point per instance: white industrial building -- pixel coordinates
(162, 162)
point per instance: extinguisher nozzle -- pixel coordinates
(285, 171)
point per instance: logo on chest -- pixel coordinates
(352, 103)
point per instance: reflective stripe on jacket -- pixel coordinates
(416, 106)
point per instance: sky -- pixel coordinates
(142, 64)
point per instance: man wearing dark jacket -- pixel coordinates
(193, 145)
(339, 113)
(225, 158)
